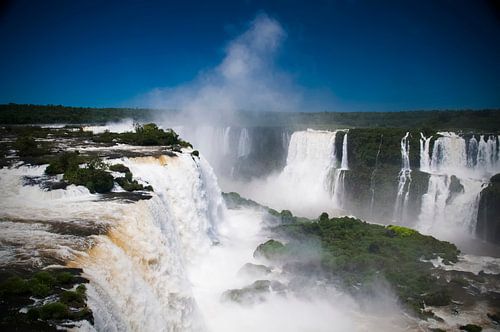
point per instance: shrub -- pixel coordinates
(63, 162)
(94, 176)
(120, 168)
(96, 180)
(14, 285)
(26, 146)
(64, 277)
(271, 249)
(128, 184)
(73, 299)
(402, 231)
(54, 310)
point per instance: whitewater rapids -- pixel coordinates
(162, 264)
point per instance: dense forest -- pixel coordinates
(484, 120)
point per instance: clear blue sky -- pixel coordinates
(368, 55)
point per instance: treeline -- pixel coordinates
(483, 120)
(44, 114)
(487, 120)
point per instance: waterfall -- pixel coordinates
(155, 241)
(345, 164)
(138, 267)
(285, 139)
(458, 171)
(372, 177)
(226, 143)
(338, 187)
(404, 181)
(311, 170)
(472, 152)
(244, 143)
(425, 162)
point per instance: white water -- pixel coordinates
(226, 143)
(446, 213)
(312, 180)
(244, 143)
(164, 262)
(425, 162)
(137, 272)
(400, 208)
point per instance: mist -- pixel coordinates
(247, 79)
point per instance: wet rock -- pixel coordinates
(254, 293)
(488, 218)
(254, 270)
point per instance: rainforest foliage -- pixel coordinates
(360, 255)
(51, 297)
(485, 120)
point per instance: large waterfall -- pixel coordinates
(138, 269)
(459, 170)
(400, 208)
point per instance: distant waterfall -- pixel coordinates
(226, 143)
(244, 143)
(372, 177)
(338, 188)
(400, 208)
(425, 162)
(459, 170)
(313, 174)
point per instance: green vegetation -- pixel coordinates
(358, 255)
(129, 184)
(48, 285)
(484, 120)
(234, 200)
(64, 162)
(120, 168)
(40, 284)
(471, 328)
(28, 147)
(144, 135)
(271, 249)
(94, 176)
(402, 231)
(375, 162)
(30, 114)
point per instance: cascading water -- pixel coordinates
(425, 162)
(372, 177)
(338, 189)
(400, 208)
(244, 143)
(155, 242)
(226, 147)
(139, 254)
(458, 171)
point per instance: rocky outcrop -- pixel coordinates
(488, 218)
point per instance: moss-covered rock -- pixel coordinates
(359, 254)
(271, 249)
(254, 270)
(54, 302)
(254, 293)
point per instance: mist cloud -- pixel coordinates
(246, 79)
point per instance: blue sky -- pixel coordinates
(337, 55)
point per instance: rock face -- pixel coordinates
(488, 218)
